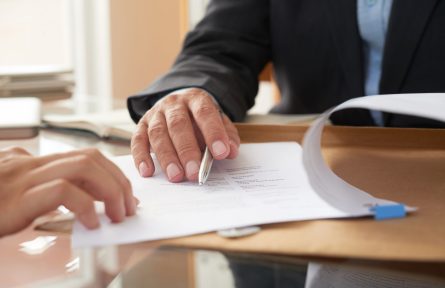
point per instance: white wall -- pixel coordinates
(35, 32)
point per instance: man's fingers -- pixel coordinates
(177, 127)
(209, 121)
(182, 135)
(140, 149)
(163, 147)
(46, 197)
(91, 177)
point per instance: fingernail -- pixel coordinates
(191, 168)
(173, 171)
(143, 169)
(218, 148)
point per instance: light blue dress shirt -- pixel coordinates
(373, 17)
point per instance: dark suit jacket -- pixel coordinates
(317, 55)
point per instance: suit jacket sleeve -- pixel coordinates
(223, 55)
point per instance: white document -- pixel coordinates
(325, 182)
(343, 276)
(267, 183)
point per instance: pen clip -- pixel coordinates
(239, 232)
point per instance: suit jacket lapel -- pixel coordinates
(406, 25)
(342, 15)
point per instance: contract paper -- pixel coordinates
(267, 183)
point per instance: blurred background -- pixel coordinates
(93, 54)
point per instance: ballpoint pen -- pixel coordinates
(206, 166)
(207, 160)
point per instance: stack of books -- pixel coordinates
(44, 82)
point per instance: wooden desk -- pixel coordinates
(100, 266)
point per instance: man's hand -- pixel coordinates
(32, 186)
(177, 128)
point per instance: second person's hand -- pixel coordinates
(177, 128)
(31, 186)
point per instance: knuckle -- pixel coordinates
(112, 195)
(60, 187)
(170, 99)
(31, 163)
(10, 171)
(85, 208)
(165, 154)
(201, 92)
(204, 98)
(13, 166)
(195, 92)
(84, 161)
(203, 112)
(139, 156)
(186, 149)
(17, 150)
(162, 150)
(9, 157)
(92, 152)
(156, 130)
(146, 116)
(177, 120)
(137, 138)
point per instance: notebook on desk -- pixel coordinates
(115, 124)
